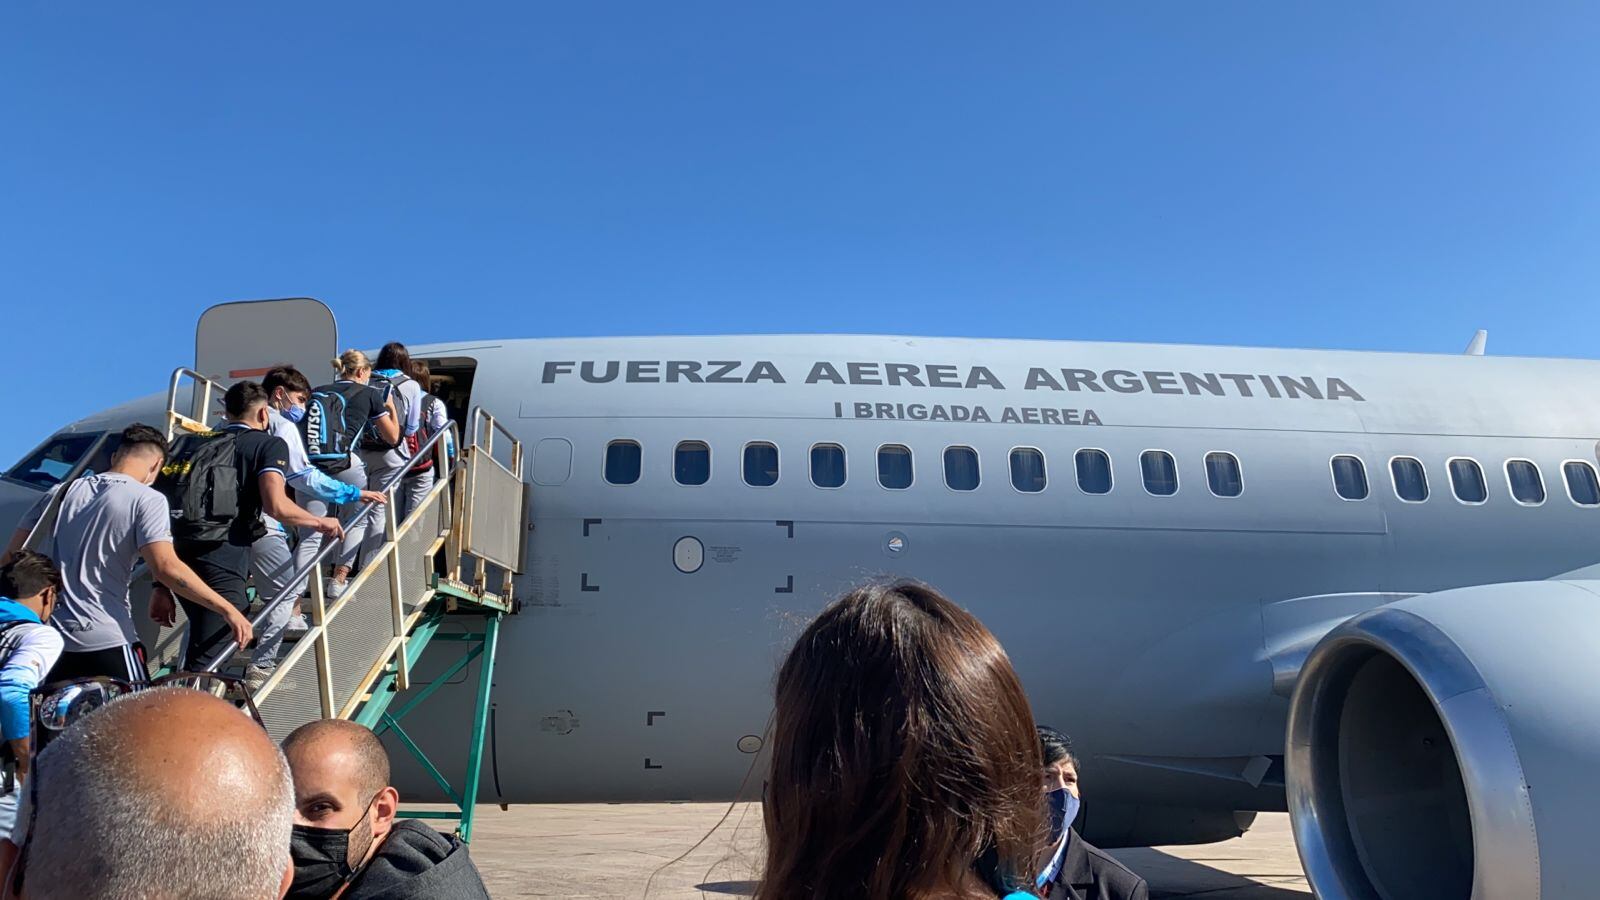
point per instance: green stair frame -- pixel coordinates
(451, 600)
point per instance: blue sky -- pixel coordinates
(1360, 174)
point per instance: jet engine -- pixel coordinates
(1448, 746)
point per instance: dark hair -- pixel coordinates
(139, 435)
(394, 355)
(422, 375)
(27, 574)
(243, 397)
(903, 752)
(288, 378)
(1055, 746)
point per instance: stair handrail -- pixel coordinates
(198, 411)
(482, 426)
(313, 565)
(477, 417)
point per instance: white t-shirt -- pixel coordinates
(103, 523)
(29, 650)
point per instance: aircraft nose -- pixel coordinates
(15, 500)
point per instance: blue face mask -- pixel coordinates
(295, 414)
(1064, 807)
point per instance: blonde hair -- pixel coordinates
(351, 361)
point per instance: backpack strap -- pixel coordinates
(55, 524)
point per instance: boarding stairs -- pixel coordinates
(443, 578)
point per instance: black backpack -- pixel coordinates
(200, 480)
(326, 432)
(388, 387)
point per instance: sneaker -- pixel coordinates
(333, 590)
(256, 677)
(298, 625)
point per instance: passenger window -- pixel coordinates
(894, 466)
(1527, 485)
(1094, 471)
(1027, 470)
(961, 468)
(622, 462)
(1582, 486)
(827, 465)
(1350, 477)
(760, 464)
(691, 463)
(1466, 479)
(1160, 472)
(1223, 475)
(1410, 479)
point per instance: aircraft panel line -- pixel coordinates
(906, 523)
(1218, 428)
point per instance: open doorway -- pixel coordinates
(452, 383)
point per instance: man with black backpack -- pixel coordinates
(219, 483)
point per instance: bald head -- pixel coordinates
(349, 751)
(167, 793)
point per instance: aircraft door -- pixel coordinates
(234, 341)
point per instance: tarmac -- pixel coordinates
(713, 852)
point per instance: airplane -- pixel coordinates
(1360, 586)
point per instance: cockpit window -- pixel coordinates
(46, 466)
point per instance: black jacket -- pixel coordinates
(1089, 873)
(417, 863)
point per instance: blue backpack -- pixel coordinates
(327, 434)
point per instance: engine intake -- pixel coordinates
(1447, 746)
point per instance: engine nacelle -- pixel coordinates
(1448, 746)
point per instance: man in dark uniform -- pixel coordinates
(348, 842)
(1086, 872)
(261, 463)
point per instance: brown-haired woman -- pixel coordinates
(432, 418)
(905, 764)
(386, 457)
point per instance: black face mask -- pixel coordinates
(321, 859)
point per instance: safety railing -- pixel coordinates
(492, 502)
(203, 391)
(350, 640)
(474, 509)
